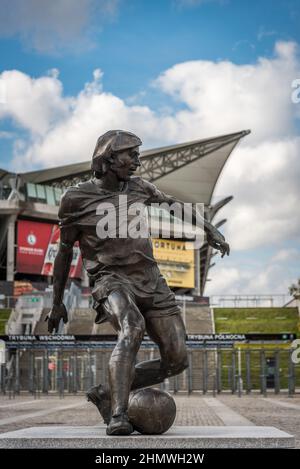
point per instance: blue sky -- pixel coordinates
(142, 38)
(171, 70)
(139, 39)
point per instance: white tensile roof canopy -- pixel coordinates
(189, 171)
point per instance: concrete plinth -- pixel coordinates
(176, 437)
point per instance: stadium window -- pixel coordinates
(50, 195)
(31, 190)
(58, 193)
(41, 192)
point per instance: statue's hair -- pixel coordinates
(103, 163)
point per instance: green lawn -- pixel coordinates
(255, 367)
(4, 315)
(257, 320)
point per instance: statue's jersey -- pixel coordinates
(105, 222)
(117, 262)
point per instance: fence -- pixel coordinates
(211, 370)
(73, 298)
(7, 302)
(249, 301)
(227, 301)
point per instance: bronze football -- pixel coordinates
(151, 411)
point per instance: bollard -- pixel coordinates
(291, 375)
(263, 384)
(277, 377)
(248, 372)
(205, 371)
(190, 372)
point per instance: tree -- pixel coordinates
(294, 289)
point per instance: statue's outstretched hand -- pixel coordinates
(217, 241)
(57, 313)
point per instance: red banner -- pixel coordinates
(38, 246)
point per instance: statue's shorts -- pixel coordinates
(142, 282)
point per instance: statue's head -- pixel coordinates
(117, 151)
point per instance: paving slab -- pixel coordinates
(177, 437)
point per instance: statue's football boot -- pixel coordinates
(119, 425)
(101, 399)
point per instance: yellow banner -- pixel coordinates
(176, 262)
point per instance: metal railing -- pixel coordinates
(33, 303)
(211, 371)
(249, 301)
(7, 302)
(79, 300)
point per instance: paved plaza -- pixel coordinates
(281, 412)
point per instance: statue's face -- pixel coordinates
(125, 163)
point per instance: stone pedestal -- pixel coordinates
(176, 437)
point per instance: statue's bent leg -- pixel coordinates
(169, 334)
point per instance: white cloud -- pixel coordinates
(7, 135)
(244, 43)
(264, 180)
(286, 255)
(224, 96)
(47, 26)
(262, 33)
(34, 104)
(232, 277)
(224, 281)
(274, 278)
(263, 173)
